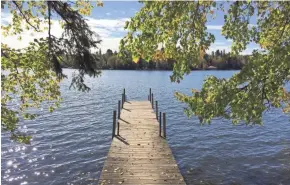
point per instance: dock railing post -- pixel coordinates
(164, 125)
(119, 109)
(152, 101)
(150, 94)
(156, 109)
(124, 92)
(122, 100)
(114, 124)
(118, 128)
(160, 124)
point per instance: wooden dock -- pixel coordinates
(139, 155)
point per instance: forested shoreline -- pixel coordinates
(218, 60)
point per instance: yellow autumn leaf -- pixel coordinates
(194, 90)
(135, 59)
(100, 3)
(201, 52)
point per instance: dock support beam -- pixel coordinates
(119, 109)
(118, 130)
(164, 125)
(123, 100)
(114, 124)
(152, 101)
(160, 124)
(150, 94)
(156, 109)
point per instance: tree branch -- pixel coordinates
(4, 54)
(24, 16)
(49, 28)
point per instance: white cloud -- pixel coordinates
(214, 27)
(102, 32)
(110, 43)
(105, 28)
(108, 13)
(220, 43)
(109, 24)
(251, 26)
(5, 18)
(249, 51)
(27, 36)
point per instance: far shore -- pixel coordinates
(211, 68)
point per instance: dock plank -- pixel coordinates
(139, 155)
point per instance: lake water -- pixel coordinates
(70, 145)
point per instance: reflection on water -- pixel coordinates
(70, 145)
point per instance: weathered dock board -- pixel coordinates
(138, 155)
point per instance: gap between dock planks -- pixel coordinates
(139, 155)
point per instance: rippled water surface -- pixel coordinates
(70, 145)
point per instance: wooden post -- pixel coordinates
(124, 92)
(150, 94)
(152, 101)
(164, 125)
(156, 109)
(114, 124)
(160, 124)
(148, 98)
(119, 109)
(118, 128)
(122, 100)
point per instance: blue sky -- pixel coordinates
(108, 21)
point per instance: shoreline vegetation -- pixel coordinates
(217, 60)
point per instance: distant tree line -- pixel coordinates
(218, 59)
(221, 60)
